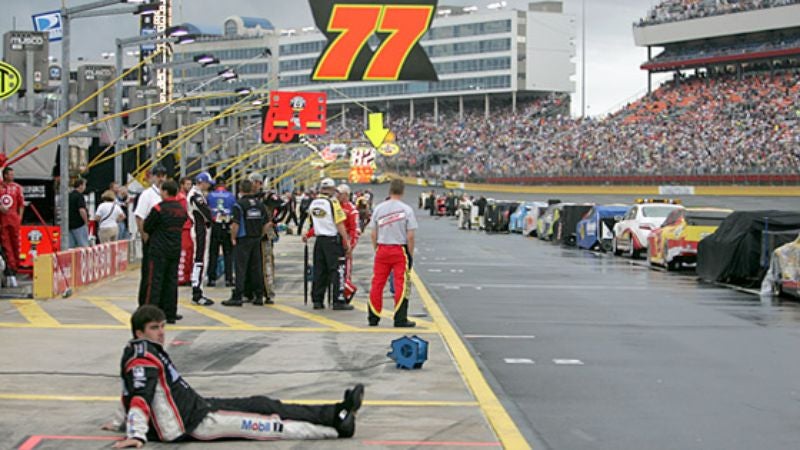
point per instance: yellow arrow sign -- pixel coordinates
(376, 133)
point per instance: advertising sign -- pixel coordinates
(294, 113)
(349, 24)
(50, 23)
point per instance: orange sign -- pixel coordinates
(400, 24)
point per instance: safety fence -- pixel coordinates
(56, 273)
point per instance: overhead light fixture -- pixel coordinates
(148, 9)
(307, 29)
(186, 39)
(257, 102)
(444, 12)
(204, 59)
(470, 8)
(227, 74)
(243, 91)
(177, 31)
(138, 2)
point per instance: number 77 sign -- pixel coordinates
(398, 25)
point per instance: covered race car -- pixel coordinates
(596, 230)
(516, 223)
(545, 227)
(739, 252)
(675, 242)
(568, 222)
(784, 273)
(631, 233)
(497, 215)
(531, 218)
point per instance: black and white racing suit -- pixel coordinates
(161, 406)
(200, 215)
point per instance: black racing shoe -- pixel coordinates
(203, 301)
(342, 306)
(258, 302)
(211, 283)
(405, 324)
(232, 302)
(319, 306)
(346, 416)
(373, 321)
(269, 301)
(230, 284)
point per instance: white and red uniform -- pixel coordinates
(186, 263)
(351, 224)
(12, 201)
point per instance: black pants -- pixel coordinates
(328, 263)
(292, 217)
(162, 283)
(303, 217)
(200, 242)
(247, 255)
(144, 273)
(220, 237)
(259, 404)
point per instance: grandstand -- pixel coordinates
(729, 115)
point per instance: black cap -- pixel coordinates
(158, 169)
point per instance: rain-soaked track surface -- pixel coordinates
(594, 352)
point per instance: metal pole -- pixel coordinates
(117, 110)
(148, 128)
(63, 126)
(583, 61)
(30, 104)
(182, 148)
(205, 139)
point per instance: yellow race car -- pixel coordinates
(675, 242)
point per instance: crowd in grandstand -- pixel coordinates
(676, 10)
(678, 53)
(698, 125)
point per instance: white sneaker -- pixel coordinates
(12, 281)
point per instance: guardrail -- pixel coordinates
(54, 273)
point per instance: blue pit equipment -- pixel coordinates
(409, 352)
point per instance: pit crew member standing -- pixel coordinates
(393, 227)
(221, 202)
(250, 221)
(200, 216)
(147, 199)
(164, 226)
(12, 205)
(332, 244)
(351, 224)
(159, 405)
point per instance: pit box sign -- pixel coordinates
(362, 165)
(291, 114)
(10, 80)
(373, 41)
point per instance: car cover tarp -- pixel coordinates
(568, 222)
(738, 252)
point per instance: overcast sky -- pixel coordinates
(613, 76)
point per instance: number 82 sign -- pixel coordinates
(349, 24)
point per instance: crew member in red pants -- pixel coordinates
(351, 225)
(12, 205)
(393, 226)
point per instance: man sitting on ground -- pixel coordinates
(160, 405)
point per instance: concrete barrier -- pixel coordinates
(53, 273)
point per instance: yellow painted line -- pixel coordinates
(505, 428)
(389, 316)
(232, 322)
(322, 320)
(377, 330)
(122, 316)
(99, 398)
(34, 313)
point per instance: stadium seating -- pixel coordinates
(676, 10)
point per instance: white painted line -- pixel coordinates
(491, 336)
(518, 361)
(558, 286)
(568, 362)
(456, 270)
(435, 270)
(478, 288)
(452, 288)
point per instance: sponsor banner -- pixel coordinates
(75, 268)
(676, 190)
(50, 23)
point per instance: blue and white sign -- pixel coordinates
(49, 22)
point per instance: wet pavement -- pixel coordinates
(591, 351)
(59, 379)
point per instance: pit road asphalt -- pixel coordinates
(591, 351)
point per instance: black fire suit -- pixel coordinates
(200, 214)
(164, 225)
(160, 405)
